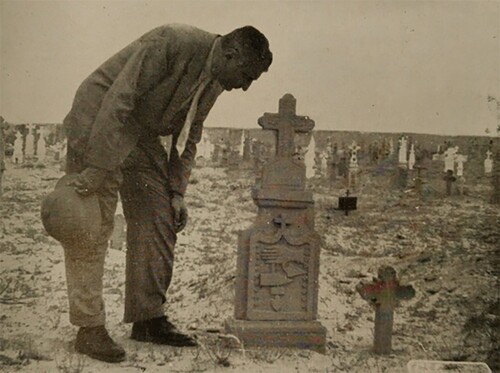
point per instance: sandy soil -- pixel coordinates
(447, 248)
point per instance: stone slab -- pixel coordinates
(282, 198)
(309, 335)
(436, 366)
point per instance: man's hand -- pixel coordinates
(180, 212)
(89, 180)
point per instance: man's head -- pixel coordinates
(243, 56)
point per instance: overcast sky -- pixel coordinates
(389, 66)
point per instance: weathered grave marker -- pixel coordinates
(323, 168)
(353, 165)
(310, 158)
(449, 159)
(411, 157)
(488, 163)
(241, 146)
(383, 294)
(419, 182)
(449, 179)
(403, 149)
(460, 159)
(400, 180)
(18, 156)
(374, 152)
(41, 146)
(439, 366)
(348, 203)
(29, 147)
(203, 149)
(247, 149)
(332, 169)
(276, 287)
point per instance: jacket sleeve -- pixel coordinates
(114, 135)
(180, 166)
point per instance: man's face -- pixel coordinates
(238, 72)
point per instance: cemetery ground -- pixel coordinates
(446, 247)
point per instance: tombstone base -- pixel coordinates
(309, 335)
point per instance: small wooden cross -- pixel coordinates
(383, 294)
(286, 123)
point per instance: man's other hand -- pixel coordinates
(89, 180)
(180, 212)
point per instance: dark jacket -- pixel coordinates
(142, 92)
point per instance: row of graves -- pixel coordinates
(328, 163)
(30, 145)
(333, 164)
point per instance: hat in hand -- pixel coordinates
(70, 218)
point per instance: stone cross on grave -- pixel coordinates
(383, 294)
(29, 148)
(488, 163)
(411, 157)
(286, 123)
(276, 284)
(353, 160)
(18, 156)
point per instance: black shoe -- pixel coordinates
(96, 343)
(160, 331)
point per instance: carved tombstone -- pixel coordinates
(353, 166)
(41, 146)
(29, 148)
(278, 257)
(403, 149)
(310, 157)
(18, 156)
(411, 157)
(460, 160)
(488, 163)
(449, 159)
(247, 146)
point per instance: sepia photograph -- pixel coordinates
(250, 186)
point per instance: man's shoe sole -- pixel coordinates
(107, 359)
(163, 341)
